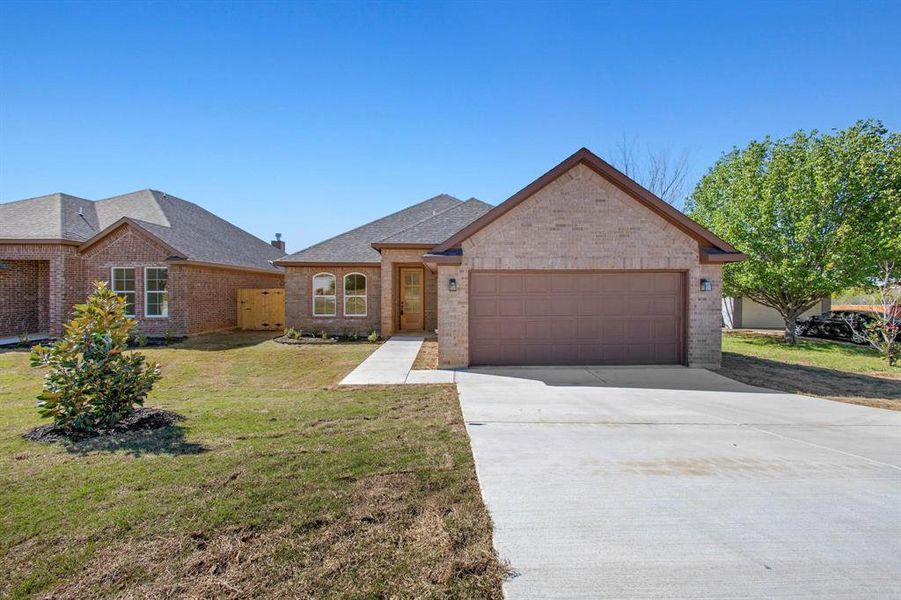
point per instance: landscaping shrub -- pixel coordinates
(92, 381)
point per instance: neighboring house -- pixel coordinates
(744, 313)
(177, 265)
(582, 266)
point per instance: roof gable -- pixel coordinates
(608, 172)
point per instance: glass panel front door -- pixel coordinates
(411, 299)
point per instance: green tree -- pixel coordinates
(810, 211)
(92, 380)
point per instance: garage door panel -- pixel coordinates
(510, 284)
(665, 305)
(558, 318)
(486, 331)
(535, 306)
(510, 306)
(640, 306)
(483, 306)
(562, 305)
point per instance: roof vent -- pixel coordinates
(278, 242)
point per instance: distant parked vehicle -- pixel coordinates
(845, 325)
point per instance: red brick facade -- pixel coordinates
(44, 281)
(299, 301)
(24, 294)
(212, 294)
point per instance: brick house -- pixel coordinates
(177, 264)
(582, 266)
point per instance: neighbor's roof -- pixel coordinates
(355, 246)
(193, 232)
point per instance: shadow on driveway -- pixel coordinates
(638, 377)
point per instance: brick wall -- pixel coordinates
(581, 221)
(200, 298)
(299, 300)
(212, 294)
(59, 272)
(126, 248)
(392, 259)
(23, 297)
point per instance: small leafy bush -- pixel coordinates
(293, 334)
(92, 382)
(324, 335)
(373, 337)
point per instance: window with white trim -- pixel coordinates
(156, 294)
(122, 282)
(354, 295)
(324, 295)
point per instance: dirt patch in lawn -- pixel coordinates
(427, 359)
(842, 386)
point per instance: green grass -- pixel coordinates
(276, 485)
(815, 353)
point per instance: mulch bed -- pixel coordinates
(142, 419)
(304, 340)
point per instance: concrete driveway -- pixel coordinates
(679, 483)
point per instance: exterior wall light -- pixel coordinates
(452, 284)
(706, 285)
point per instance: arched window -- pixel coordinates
(323, 295)
(354, 295)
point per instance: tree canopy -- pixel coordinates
(812, 211)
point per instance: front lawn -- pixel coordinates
(834, 370)
(276, 485)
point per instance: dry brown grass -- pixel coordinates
(277, 485)
(427, 359)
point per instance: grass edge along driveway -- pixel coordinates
(277, 485)
(812, 367)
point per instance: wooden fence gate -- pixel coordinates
(261, 309)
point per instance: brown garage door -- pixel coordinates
(575, 317)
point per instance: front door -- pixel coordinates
(411, 295)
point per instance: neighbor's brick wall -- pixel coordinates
(391, 260)
(22, 293)
(127, 248)
(299, 300)
(60, 275)
(581, 221)
(212, 294)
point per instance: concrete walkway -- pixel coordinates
(392, 364)
(680, 483)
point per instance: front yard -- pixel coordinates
(834, 370)
(276, 485)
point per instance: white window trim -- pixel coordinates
(148, 292)
(112, 285)
(333, 296)
(364, 295)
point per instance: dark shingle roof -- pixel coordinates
(355, 246)
(443, 225)
(196, 233)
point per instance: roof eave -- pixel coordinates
(313, 263)
(56, 241)
(401, 245)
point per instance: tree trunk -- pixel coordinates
(790, 322)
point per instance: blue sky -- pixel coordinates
(309, 119)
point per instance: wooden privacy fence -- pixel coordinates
(261, 309)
